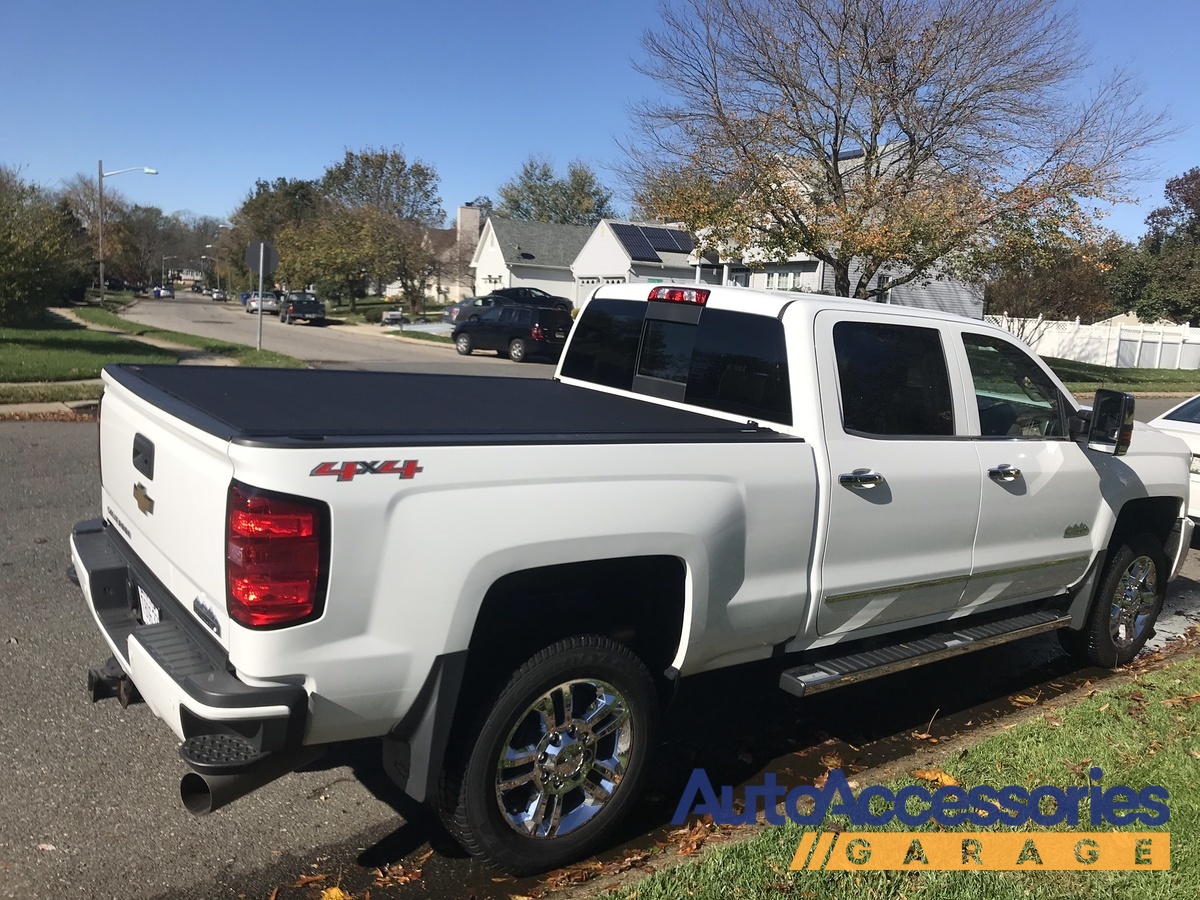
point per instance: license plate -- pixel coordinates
(150, 614)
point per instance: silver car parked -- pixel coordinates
(270, 302)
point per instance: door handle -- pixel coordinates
(861, 479)
(1004, 472)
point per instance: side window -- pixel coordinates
(604, 346)
(739, 365)
(893, 380)
(491, 315)
(508, 314)
(524, 315)
(1013, 393)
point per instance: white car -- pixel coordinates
(270, 302)
(1183, 421)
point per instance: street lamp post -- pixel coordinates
(216, 263)
(100, 176)
(162, 281)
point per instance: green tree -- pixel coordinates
(43, 250)
(1059, 284)
(1160, 279)
(911, 136)
(537, 194)
(385, 180)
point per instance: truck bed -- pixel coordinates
(334, 407)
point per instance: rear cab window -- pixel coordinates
(718, 359)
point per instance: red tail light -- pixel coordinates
(276, 557)
(699, 296)
(537, 334)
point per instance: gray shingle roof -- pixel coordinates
(539, 243)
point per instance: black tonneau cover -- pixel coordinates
(291, 406)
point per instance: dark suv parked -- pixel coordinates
(474, 307)
(517, 331)
(532, 296)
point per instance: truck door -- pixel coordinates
(903, 481)
(1041, 494)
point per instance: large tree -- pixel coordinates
(912, 136)
(385, 180)
(537, 194)
(1160, 279)
(43, 250)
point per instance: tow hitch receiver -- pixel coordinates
(110, 680)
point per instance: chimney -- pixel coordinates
(470, 223)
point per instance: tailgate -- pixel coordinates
(165, 486)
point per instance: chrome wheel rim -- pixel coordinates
(464, 344)
(517, 351)
(1134, 602)
(564, 759)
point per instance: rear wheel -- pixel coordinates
(462, 344)
(552, 766)
(1127, 604)
(517, 350)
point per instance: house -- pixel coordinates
(511, 253)
(627, 252)
(805, 273)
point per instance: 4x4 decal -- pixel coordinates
(345, 471)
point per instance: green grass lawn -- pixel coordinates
(1143, 732)
(1085, 378)
(63, 351)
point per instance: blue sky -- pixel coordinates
(218, 94)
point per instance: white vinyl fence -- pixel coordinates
(1121, 346)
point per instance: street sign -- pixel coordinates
(263, 252)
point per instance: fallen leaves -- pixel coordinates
(304, 880)
(1052, 720)
(693, 838)
(926, 735)
(936, 776)
(1181, 701)
(1023, 700)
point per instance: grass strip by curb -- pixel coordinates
(1145, 731)
(426, 336)
(49, 392)
(244, 354)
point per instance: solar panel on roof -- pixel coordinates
(660, 239)
(635, 243)
(683, 240)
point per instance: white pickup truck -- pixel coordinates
(504, 578)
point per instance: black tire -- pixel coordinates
(282, 318)
(1126, 606)
(518, 350)
(462, 344)
(579, 710)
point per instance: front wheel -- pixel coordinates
(1127, 604)
(462, 344)
(517, 350)
(556, 761)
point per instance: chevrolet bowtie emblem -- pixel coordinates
(145, 504)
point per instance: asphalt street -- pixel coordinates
(331, 346)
